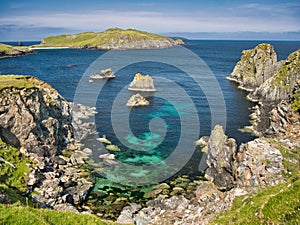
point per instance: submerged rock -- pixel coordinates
(142, 83)
(137, 100)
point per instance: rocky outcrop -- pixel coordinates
(231, 172)
(38, 121)
(7, 51)
(255, 163)
(220, 150)
(104, 74)
(137, 100)
(283, 83)
(268, 83)
(142, 83)
(255, 67)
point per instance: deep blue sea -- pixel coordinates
(178, 97)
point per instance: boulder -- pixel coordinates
(142, 83)
(137, 100)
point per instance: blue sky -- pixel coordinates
(34, 19)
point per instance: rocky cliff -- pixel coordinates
(111, 39)
(35, 119)
(268, 82)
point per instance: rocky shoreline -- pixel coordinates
(48, 131)
(15, 52)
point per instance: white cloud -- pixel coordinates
(155, 21)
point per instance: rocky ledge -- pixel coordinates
(7, 51)
(142, 83)
(137, 100)
(35, 119)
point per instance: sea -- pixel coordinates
(193, 95)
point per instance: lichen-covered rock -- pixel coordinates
(137, 100)
(142, 83)
(255, 67)
(282, 84)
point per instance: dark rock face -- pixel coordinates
(39, 122)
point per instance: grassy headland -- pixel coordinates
(114, 38)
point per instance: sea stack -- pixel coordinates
(142, 83)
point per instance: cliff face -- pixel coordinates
(284, 82)
(35, 119)
(255, 67)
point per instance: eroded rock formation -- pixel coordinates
(137, 100)
(142, 83)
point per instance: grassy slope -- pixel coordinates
(111, 36)
(31, 216)
(279, 204)
(20, 82)
(8, 49)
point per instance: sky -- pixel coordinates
(35, 19)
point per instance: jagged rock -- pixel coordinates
(40, 123)
(142, 83)
(137, 100)
(255, 67)
(221, 150)
(104, 74)
(66, 207)
(258, 163)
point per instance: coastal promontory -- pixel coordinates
(111, 39)
(7, 51)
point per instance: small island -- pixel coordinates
(110, 39)
(142, 83)
(137, 100)
(104, 74)
(7, 51)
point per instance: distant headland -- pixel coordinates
(110, 39)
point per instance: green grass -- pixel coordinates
(279, 204)
(10, 214)
(15, 177)
(20, 82)
(6, 48)
(111, 37)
